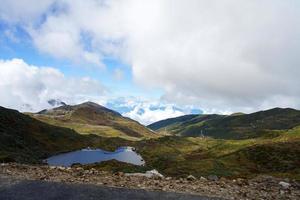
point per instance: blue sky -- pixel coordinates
(18, 44)
(151, 60)
(15, 42)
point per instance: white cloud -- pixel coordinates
(23, 10)
(148, 111)
(145, 115)
(28, 88)
(223, 56)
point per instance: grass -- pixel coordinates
(277, 152)
(85, 129)
(179, 156)
(89, 118)
(245, 126)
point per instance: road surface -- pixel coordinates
(41, 190)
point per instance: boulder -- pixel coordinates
(284, 185)
(191, 178)
(154, 173)
(212, 178)
(149, 174)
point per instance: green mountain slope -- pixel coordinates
(241, 126)
(182, 156)
(91, 118)
(160, 125)
(26, 139)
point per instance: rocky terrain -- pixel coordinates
(260, 187)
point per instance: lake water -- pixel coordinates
(88, 156)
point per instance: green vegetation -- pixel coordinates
(181, 156)
(237, 126)
(24, 139)
(91, 118)
(116, 166)
(275, 152)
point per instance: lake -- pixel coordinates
(88, 156)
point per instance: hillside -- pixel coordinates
(181, 156)
(26, 139)
(91, 118)
(242, 126)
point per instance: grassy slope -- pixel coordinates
(90, 118)
(177, 156)
(234, 126)
(24, 139)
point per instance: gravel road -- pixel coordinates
(36, 190)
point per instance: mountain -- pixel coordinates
(91, 118)
(170, 122)
(26, 139)
(237, 126)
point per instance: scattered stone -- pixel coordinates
(213, 178)
(61, 168)
(120, 173)
(191, 178)
(284, 185)
(52, 167)
(261, 187)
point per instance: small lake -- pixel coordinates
(88, 156)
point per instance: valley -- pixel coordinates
(245, 146)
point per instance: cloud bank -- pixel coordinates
(148, 111)
(223, 56)
(28, 88)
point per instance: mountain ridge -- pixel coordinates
(92, 118)
(242, 126)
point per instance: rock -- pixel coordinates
(149, 174)
(154, 173)
(212, 178)
(120, 173)
(191, 178)
(240, 182)
(203, 178)
(61, 168)
(168, 178)
(284, 185)
(79, 169)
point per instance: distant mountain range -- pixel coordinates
(236, 126)
(91, 118)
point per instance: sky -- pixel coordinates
(151, 60)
